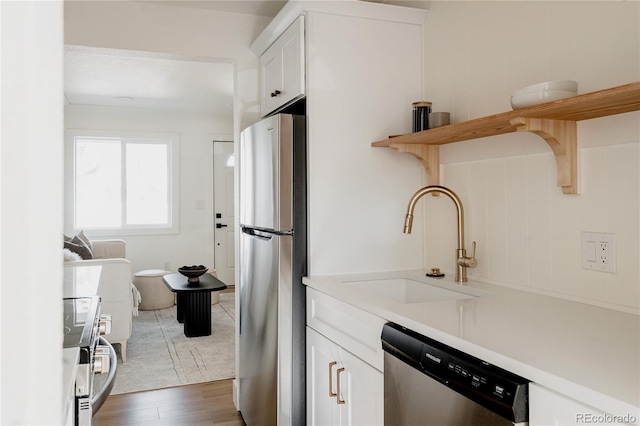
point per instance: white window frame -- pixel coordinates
(172, 142)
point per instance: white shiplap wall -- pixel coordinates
(528, 232)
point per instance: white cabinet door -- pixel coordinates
(342, 389)
(282, 69)
(362, 389)
(292, 49)
(271, 71)
(322, 407)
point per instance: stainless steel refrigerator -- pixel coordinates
(273, 260)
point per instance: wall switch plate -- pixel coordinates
(599, 251)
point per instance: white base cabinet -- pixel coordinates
(341, 388)
(345, 382)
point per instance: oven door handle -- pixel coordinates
(101, 396)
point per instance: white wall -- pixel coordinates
(195, 131)
(363, 75)
(476, 54)
(31, 213)
(191, 33)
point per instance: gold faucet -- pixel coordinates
(462, 261)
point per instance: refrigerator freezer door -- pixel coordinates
(266, 170)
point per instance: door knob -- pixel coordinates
(220, 225)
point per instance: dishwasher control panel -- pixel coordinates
(488, 385)
(474, 374)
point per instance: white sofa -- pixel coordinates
(115, 289)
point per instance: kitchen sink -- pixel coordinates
(406, 290)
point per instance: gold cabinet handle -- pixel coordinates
(338, 371)
(331, 392)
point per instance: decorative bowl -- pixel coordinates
(546, 86)
(546, 91)
(193, 273)
(535, 98)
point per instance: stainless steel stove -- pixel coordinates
(83, 327)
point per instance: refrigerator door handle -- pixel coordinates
(255, 233)
(263, 233)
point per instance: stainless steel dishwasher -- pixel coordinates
(429, 383)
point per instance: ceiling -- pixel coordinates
(249, 7)
(98, 76)
(264, 7)
(110, 77)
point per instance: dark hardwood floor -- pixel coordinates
(208, 403)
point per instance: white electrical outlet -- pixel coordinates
(167, 265)
(603, 252)
(599, 251)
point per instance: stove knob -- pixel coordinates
(105, 324)
(101, 360)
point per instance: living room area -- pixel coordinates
(149, 174)
(153, 350)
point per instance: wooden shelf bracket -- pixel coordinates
(429, 156)
(561, 136)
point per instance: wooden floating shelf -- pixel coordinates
(554, 121)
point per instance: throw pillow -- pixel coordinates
(76, 245)
(81, 235)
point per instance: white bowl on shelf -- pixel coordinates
(530, 99)
(546, 91)
(553, 85)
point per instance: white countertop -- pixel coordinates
(81, 281)
(588, 353)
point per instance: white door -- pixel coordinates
(223, 164)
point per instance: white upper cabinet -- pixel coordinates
(282, 69)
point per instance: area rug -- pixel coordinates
(159, 355)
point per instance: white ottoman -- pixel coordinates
(154, 294)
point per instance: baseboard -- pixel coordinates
(236, 394)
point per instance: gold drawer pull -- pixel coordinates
(331, 392)
(338, 371)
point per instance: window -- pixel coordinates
(121, 184)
